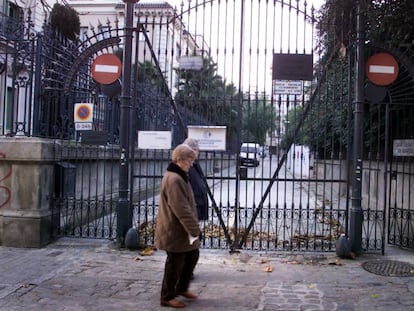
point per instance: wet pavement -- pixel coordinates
(84, 274)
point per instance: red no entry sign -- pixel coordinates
(382, 69)
(106, 68)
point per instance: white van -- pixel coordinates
(250, 154)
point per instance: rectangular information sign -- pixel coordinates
(191, 62)
(209, 137)
(403, 148)
(286, 87)
(292, 67)
(154, 140)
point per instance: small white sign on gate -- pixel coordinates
(191, 62)
(209, 137)
(154, 140)
(83, 126)
(403, 148)
(287, 87)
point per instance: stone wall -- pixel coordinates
(377, 186)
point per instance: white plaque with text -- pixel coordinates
(209, 137)
(154, 140)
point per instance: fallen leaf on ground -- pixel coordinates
(268, 269)
(147, 252)
(137, 259)
(374, 296)
(311, 286)
(336, 263)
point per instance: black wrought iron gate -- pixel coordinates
(295, 195)
(208, 66)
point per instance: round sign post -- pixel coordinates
(382, 69)
(106, 68)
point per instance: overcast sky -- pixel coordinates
(260, 35)
(316, 3)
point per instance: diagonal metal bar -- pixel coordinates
(181, 123)
(218, 212)
(167, 90)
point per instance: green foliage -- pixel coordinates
(325, 126)
(391, 21)
(290, 124)
(148, 73)
(205, 93)
(335, 24)
(389, 24)
(65, 20)
(259, 118)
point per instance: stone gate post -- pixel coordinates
(26, 191)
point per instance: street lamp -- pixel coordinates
(124, 211)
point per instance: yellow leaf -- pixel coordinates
(311, 286)
(374, 296)
(147, 252)
(268, 269)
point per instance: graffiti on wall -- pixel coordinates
(5, 193)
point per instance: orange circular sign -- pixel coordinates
(382, 69)
(106, 68)
(83, 113)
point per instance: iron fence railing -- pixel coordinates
(281, 204)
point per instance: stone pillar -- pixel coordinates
(26, 191)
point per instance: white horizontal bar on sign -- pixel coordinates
(381, 69)
(106, 68)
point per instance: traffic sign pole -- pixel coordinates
(356, 215)
(124, 211)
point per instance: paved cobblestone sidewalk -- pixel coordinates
(78, 274)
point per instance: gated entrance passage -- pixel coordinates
(209, 65)
(289, 200)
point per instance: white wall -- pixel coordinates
(300, 161)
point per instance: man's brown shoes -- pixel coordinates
(189, 295)
(173, 303)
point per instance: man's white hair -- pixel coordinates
(192, 143)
